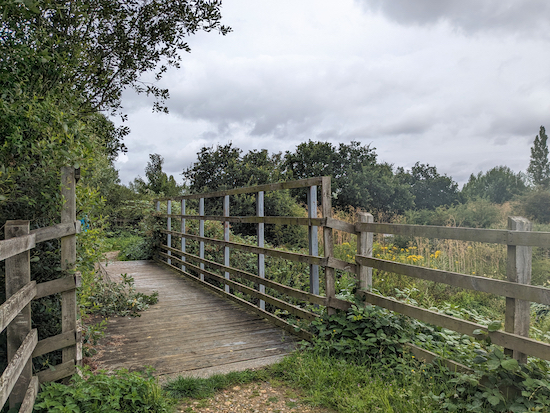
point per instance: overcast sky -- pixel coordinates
(460, 84)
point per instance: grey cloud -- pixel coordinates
(517, 16)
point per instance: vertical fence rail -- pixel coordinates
(328, 242)
(518, 270)
(364, 247)
(226, 238)
(18, 275)
(313, 239)
(201, 234)
(68, 262)
(169, 227)
(260, 232)
(183, 232)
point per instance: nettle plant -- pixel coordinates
(377, 337)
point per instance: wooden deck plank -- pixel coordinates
(190, 331)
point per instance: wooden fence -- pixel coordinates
(17, 381)
(518, 238)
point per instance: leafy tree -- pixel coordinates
(429, 188)
(357, 179)
(223, 167)
(497, 185)
(536, 206)
(539, 166)
(157, 181)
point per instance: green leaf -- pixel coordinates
(509, 364)
(493, 364)
(494, 400)
(479, 359)
(494, 326)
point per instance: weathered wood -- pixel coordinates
(507, 340)
(68, 258)
(291, 292)
(292, 256)
(303, 183)
(56, 231)
(257, 220)
(18, 276)
(260, 228)
(30, 396)
(57, 372)
(341, 265)
(328, 243)
(273, 318)
(313, 240)
(429, 357)
(15, 368)
(15, 246)
(292, 309)
(17, 302)
(56, 286)
(364, 248)
(183, 230)
(57, 342)
(518, 271)
(470, 282)
(493, 236)
(339, 225)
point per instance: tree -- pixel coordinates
(429, 188)
(357, 178)
(539, 166)
(158, 182)
(497, 185)
(224, 167)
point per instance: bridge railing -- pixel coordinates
(517, 289)
(17, 381)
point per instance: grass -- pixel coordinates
(325, 381)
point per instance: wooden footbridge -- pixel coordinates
(190, 331)
(250, 320)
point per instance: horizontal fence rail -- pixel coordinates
(517, 289)
(17, 382)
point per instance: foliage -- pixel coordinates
(536, 206)
(199, 388)
(357, 179)
(429, 188)
(101, 392)
(223, 167)
(539, 166)
(157, 181)
(497, 185)
(105, 297)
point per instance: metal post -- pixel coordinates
(201, 234)
(169, 227)
(226, 238)
(313, 240)
(183, 232)
(260, 232)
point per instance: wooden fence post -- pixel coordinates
(260, 232)
(18, 274)
(68, 262)
(183, 232)
(201, 234)
(519, 271)
(364, 248)
(326, 207)
(169, 228)
(226, 238)
(313, 239)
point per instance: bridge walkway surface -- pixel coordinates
(191, 331)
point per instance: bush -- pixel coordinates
(121, 392)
